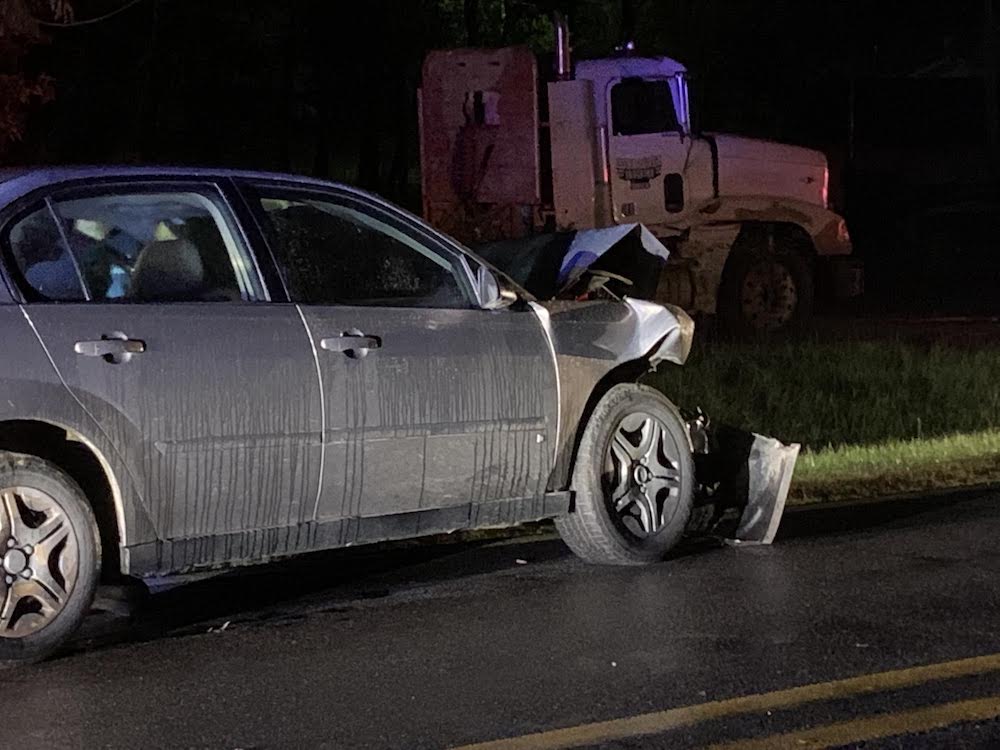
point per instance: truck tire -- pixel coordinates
(768, 285)
(633, 480)
(50, 558)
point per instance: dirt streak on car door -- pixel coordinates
(218, 415)
(454, 407)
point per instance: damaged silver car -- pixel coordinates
(205, 369)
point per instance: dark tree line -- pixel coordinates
(330, 87)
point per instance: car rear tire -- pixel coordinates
(50, 558)
(633, 480)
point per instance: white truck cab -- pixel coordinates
(611, 141)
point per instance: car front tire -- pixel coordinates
(633, 480)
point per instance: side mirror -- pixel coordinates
(492, 294)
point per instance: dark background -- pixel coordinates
(900, 95)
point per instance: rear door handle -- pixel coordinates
(111, 349)
(352, 344)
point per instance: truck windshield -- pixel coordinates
(640, 106)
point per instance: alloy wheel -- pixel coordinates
(39, 560)
(643, 474)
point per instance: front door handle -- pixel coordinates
(352, 343)
(114, 348)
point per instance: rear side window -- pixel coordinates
(39, 253)
(333, 251)
(122, 247)
(640, 106)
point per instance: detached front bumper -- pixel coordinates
(742, 481)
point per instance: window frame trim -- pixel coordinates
(215, 187)
(609, 103)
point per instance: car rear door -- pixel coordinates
(153, 312)
(438, 413)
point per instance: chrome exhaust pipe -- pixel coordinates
(564, 64)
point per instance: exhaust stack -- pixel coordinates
(564, 64)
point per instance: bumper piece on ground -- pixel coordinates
(742, 483)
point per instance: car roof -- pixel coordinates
(18, 182)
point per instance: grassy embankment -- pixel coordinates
(874, 418)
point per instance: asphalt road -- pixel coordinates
(808, 643)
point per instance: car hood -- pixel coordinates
(560, 265)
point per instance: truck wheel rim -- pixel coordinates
(643, 474)
(768, 296)
(39, 560)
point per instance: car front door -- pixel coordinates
(431, 403)
(153, 312)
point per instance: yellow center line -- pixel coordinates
(874, 727)
(663, 721)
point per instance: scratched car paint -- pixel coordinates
(210, 368)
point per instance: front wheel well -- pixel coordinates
(777, 236)
(627, 372)
(54, 444)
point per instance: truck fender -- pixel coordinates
(708, 238)
(827, 229)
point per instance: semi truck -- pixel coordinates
(509, 157)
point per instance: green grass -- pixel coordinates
(862, 471)
(873, 417)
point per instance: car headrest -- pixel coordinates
(168, 270)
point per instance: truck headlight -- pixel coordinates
(843, 236)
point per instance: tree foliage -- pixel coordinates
(20, 90)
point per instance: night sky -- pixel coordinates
(894, 92)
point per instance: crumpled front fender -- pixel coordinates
(742, 478)
(592, 340)
(651, 342)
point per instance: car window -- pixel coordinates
(639, 106)
(124, 247)
(45, 266)
(333, 251)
